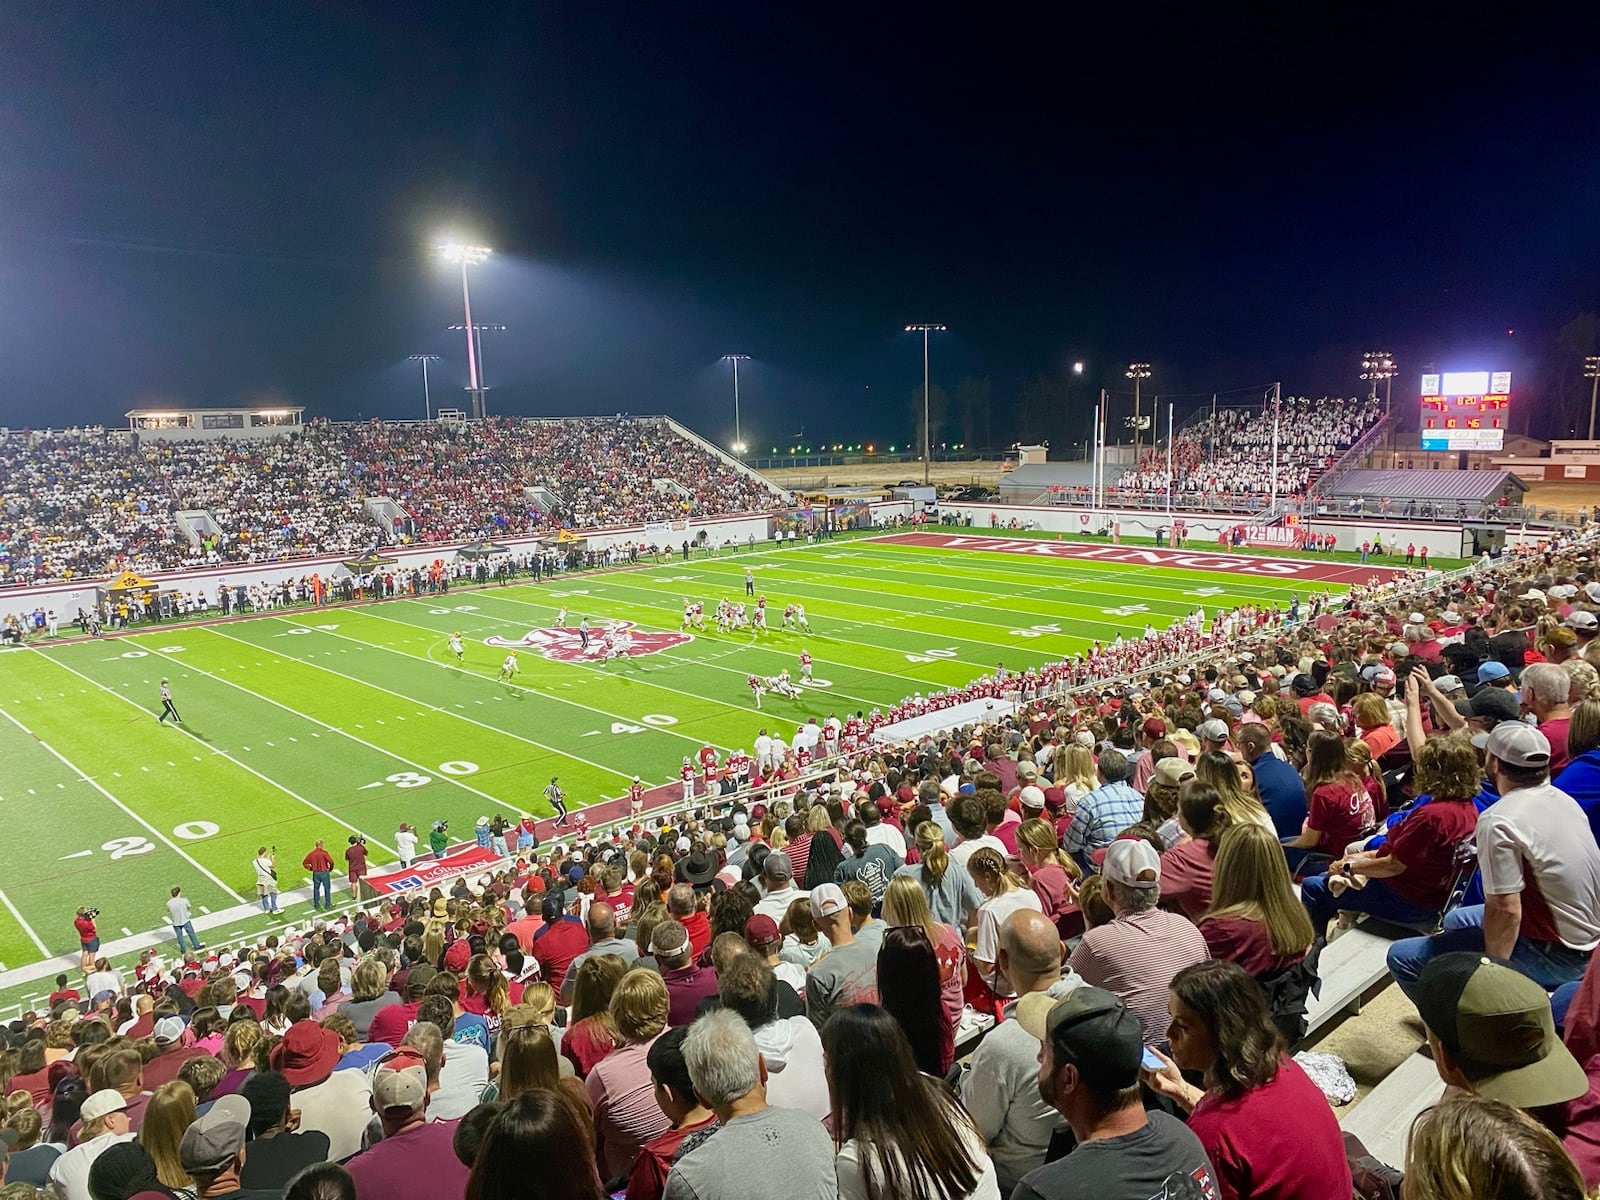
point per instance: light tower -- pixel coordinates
(468, 256)
(1379, 365)
(738, 435)
(1137, 371)
(925, 328)
(1591, 372)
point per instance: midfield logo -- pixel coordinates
(564, 645)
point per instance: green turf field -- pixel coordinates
(317, 723)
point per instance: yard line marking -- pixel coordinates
(399, 758)
(26, 928)
(520, 687)
(161, 837)
(288, 791)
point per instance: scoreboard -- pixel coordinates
(1465, 410)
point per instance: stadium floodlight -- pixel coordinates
(1137, 371)
(468, 256)
(477, 341)
(1077, 368)
(1379, 365)
(427, 400)
(1591, 372)
(925, 328)
(738, 436)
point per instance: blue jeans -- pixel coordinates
(321, 885)
(1549, 964)
(178, 931)
(1375, 898)
(269, 902)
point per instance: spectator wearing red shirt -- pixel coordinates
(1545, 691)
(390, 1024)
(63, 992)
(683, 906)
(1267, 1130)
(1409, 876)
(1341, 806)
(88, 940)
(355, 857)
(560, 941)
(320, 863)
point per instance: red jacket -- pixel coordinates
(318, 860)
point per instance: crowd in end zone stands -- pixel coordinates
(1229, 453)
(90, 503)
(778, 998)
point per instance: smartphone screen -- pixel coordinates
(1151, 1060)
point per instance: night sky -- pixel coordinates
(228, 203)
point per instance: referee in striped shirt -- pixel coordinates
(167, 710)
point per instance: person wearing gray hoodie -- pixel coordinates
(790, 1046)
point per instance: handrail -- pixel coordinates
(1359, 449)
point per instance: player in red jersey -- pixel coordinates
(635, 796)
(756, 687)
(686, 773)
(805, 666)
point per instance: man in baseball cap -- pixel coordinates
(777, 884)
(415, 1160)
(1491, 1032)
(1540, 868)
(212, 1150)
(1117, 955)
(1089, 1056)
(848, 973)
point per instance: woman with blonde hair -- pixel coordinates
(1241, 805)
(1254, 918)
(1004, 893)
(1585, 680)
(1052, 874)
(169, 1113)
(946, 883)
(1370, 713)
(1075, 774)
(904, 904)
(621, 1090)
(1470, 1148)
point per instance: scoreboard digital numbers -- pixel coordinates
(1465, 410)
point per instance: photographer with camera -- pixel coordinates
(88, 938)
(267, 878)
(355, 857)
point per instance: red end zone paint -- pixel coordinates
(1238, 564)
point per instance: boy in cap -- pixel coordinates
(1089, 1054)
(1541, 873)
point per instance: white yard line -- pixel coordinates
(163, 838)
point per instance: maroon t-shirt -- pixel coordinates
(1342, 812)
(390, 1024)
(1246, 942)
(555, 946)
(1425, 841)
(356, 857)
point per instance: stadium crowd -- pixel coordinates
(1228, 453)
(779, 997)
(89, 503)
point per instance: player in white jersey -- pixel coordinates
(457, 648)
(508, 669)
(561, 617)
(688, 614)
(800, 617)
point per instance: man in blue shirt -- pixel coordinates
(1282, 792)
(1105, 812)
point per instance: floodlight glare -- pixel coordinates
(456, 252)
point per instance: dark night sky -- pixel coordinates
(217, 203)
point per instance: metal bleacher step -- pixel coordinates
(1382, 1118)
(1349, 966)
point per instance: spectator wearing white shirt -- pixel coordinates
(105, 1123)
(879, 831)
(405, 844)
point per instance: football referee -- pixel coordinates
(557, 799)
(167, 710)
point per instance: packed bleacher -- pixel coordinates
(1074, 951)
(88, 504)
(1228, 453)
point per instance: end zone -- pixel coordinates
(1194, 560)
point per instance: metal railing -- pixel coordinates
(1360, 449)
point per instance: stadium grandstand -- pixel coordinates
(91, 503)
(1191, 862)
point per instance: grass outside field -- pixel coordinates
(320, 723)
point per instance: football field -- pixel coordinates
(311, 724)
